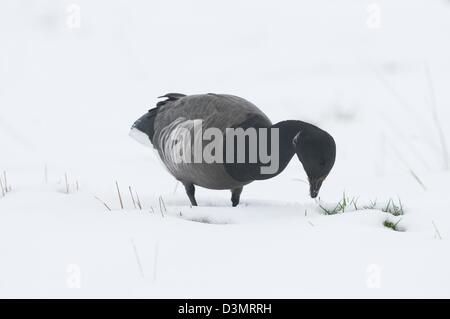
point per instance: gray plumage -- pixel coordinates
(172, 127)
(216, 111)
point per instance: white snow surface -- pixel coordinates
(69, 95)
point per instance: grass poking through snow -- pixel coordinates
(69, 186)
(393, 208)
(392, 225)
(350, 204)
(162, 206)
(5, 188)
(345, 204)
(119, 195)
(137, 204)
(104, 204)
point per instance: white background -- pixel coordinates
(74, 75)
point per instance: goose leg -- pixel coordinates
(190, 191)
(236, 195)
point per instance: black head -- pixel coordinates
(316, 150)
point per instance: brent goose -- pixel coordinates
(165, 128)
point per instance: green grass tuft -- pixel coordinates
(393, 208)
(349, 204)
(390, 224)
(345, 204)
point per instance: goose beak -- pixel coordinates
(315, 184)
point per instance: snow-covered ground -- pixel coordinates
(372, 73)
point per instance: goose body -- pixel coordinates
(212, 111)
(178, 122)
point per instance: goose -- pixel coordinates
(178, 122)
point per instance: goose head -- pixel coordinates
(316, 150)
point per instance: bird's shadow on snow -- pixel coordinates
(220, 211)
(226, 203)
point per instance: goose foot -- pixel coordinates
(190, 191)
(236, 195)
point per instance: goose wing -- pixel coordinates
(215, 110)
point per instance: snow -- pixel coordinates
(69, 96)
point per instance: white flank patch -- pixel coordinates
(177, 144)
